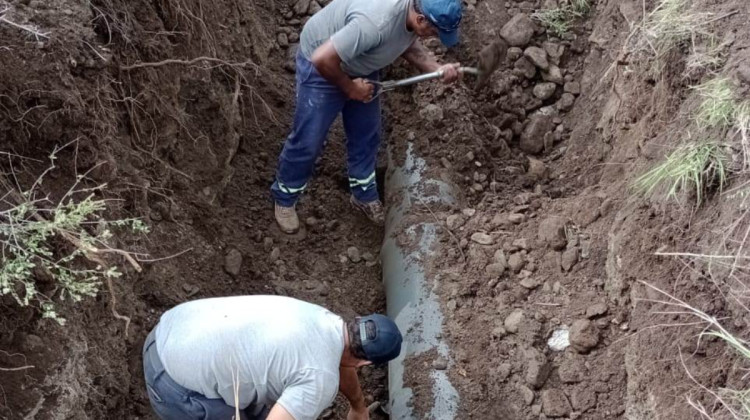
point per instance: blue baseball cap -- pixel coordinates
(446, 16)
(381, 339)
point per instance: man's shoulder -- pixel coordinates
(379, 12)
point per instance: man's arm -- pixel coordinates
(349, 386)
(279, 413)
(328, 63)
(421, 58)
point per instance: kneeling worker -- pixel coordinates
(272, 357)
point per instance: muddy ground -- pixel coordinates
(190, 145)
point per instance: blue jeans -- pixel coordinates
(171, 401)
(319, 102)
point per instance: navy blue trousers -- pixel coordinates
(319, 102)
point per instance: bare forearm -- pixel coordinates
(328, 64)
(349, 386)
(420, 57)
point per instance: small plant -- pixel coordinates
(693, 167)
(54, 239)
(560, 20)
(717, 107)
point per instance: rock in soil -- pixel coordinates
(572, 88)
(537, 169)
(532, 138)
(314, 8)
(537, 56)
(537, 367)
(525, 68)
(526, 393)
(552, 232)
(499, 257)
(595, 310)
(495, 270)
(440, 364)
(572, 369)
(584, 336)
(353, 253)
(518, 31)
(454, 221)
(554, 75)
(544, 90)
(566, 102)
(516, 262)
(514, 53)
(431, 113)
(530, 283)
(513, 321)
(275, 254)
(482, 238)
(516, 218)
(301, 7)
(233, 262)
(555, 403)
(569, 258)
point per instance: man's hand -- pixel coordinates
(361, 90)
(450, 72)
(360, 413)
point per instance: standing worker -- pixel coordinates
(271, 357)
(341, 46)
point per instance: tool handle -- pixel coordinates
(429, 76)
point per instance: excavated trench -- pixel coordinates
(510, 216)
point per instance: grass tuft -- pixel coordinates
(718, 105)
(558, 21)
(693, 167)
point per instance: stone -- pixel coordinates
(495, 270)
(584, 335)
(532, 138)
(314, 8)
(502, 371)
(301, 7)
(516, 218)
(311, 221)
(573, 88)
(513, 320)
(516, 262)
(552, 232)
(566, 102)
(571, 369)
(545, 90)
(555, 403)
(369, 257)
(482, 238)
(440, 364)
(521, 243)
(554, 51)
(537, 56)
(353, 254)
(282, 40)
(431, 113)
(569, 258)
(537, 169)
(293, 38)
(530, 283)
(606, 207)
(525, 68)
(514, 53)
(537, 367)
(518, 31)
(469, 212)
(275, 254)
(526, 393)
(595, 310)
(499, 257)
(454, 221)
(554, 75)
(743, 73)
(233, 262)
(582, 399)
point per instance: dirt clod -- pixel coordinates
(532, 139)
(569, 258)
(555, 403)
(552, 232)
(513, 320)
(584, 335)
(596, 310)
(537, 367)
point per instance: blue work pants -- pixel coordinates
(319, 102)
(171, 401)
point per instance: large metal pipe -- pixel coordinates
(411, 298)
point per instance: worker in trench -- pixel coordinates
(341, 47)
(266, 357)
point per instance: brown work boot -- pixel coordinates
(286, 218)
(372, 209)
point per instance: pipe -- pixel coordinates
(410, 295)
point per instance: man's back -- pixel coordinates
(368, 35)
(273, 344)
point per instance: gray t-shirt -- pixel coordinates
(282, 350)
(367, 34)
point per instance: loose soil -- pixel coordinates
(191, 146)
